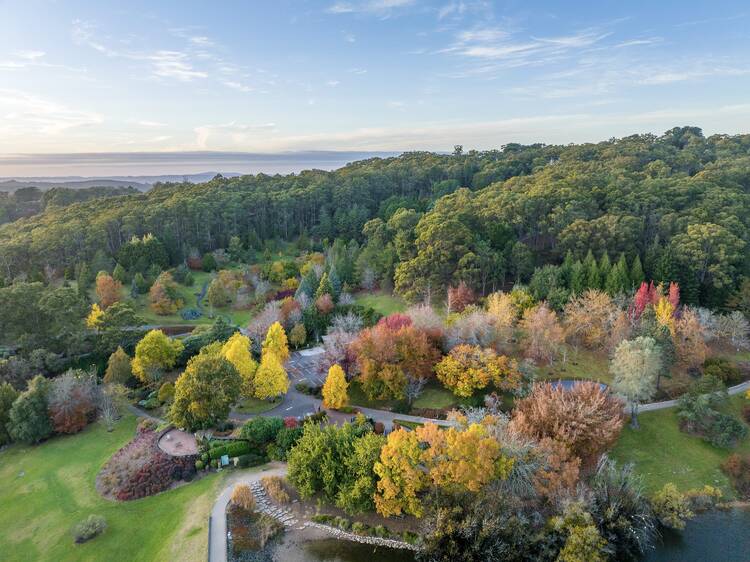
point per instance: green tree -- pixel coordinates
(324, 287)
(119, 274)
(636, 272)
(618, 280)
(8, 395)
(209, 262)
(671, 507)
(28, 420)
(591, 272)
(205, 391)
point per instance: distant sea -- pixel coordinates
(147, 167)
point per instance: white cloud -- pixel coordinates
(230, 134)
(174, 64)
(29, 55)
(333, 83)
(378, 7)
(237, 86)
(23, 114)
(150, 124)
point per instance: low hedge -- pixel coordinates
(232, 449)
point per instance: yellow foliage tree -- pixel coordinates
(664, 312)
(95, 317)
(468, 368)
(455, 459)
(276, 342)
(504, 312)
(271, 379)
(153, 354)
(334, 389)
(237, 351)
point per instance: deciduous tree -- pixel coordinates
(542, 334)
(334, 389)
(154, 354)
(635, 366)
(237, 351)
(271, 379)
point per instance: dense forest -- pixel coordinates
(28, 201)
(675, 205)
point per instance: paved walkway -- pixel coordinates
(217, 537)
(737, 389)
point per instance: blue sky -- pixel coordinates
(85, 76)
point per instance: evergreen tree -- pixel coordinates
(636, 273)
(618, 280)
(119, 274)
(577, 278)
(566, 270)
(84, 279)
(605, 265)
(591, 272)
(29, 421)
(324, 288)
(335, 282)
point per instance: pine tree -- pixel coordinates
(324, 287)
(591, 272)
(577, 278)
(119, 274)
(335, 281)
(334, 389)
(618, 280)
(605, 265)
(636, 272)
(566, 270)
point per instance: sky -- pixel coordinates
(360, 75)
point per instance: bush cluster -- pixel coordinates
(232, 449)
(89, 528)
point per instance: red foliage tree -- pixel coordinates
(395, 321)
(644, 296)
(460, 297)
(324, 304)
(674, 295)
(108, 290)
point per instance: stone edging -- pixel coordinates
(286, 518)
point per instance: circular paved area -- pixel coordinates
(178, 443)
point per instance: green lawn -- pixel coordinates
(662, 453)
(256, 406)
(383, 303)
(581, 364)
(48, 488)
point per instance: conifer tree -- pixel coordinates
(636, 272)
(591, 272)
(324, 287)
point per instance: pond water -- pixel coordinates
(332, 550)
(567, 384)
(718, 536)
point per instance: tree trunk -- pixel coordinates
(634, 415)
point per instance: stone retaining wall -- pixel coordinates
(286, 518)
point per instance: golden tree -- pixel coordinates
(271, 379)
(504, 312)
(95, 318)
(153, 354)
(468, 368)
(334, 389)
(590, 319)
(276, 342)
(237, 351)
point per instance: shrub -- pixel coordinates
(274, 486)
(722, 370)
(379, 428)
(290, 422)
(737, 469)
(671, 507)
(317, 417)
(321, 518)
(145, 425)
(89, 528)
(262, 430)
(342, 523)
(232, 449)
(71, 401)
(251, 459)
(746, 412)
(704, 498)
(166, 392)
(359, 528)
(141, 469)
(199, 465)
(381, 531)
(287, 438)
(28, 421)
(242, 497)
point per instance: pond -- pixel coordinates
(298, 549)
(719, 536)
(567, 384)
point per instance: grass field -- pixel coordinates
(383, 303)
(48, 488)
(256, 406)
(662, 453)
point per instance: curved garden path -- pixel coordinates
(217, 523)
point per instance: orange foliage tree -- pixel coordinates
(385, 356)
(107, 290)
(542, 333)
(586, 418)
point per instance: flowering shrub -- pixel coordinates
(141, 469)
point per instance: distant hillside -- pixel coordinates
(50, 183)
